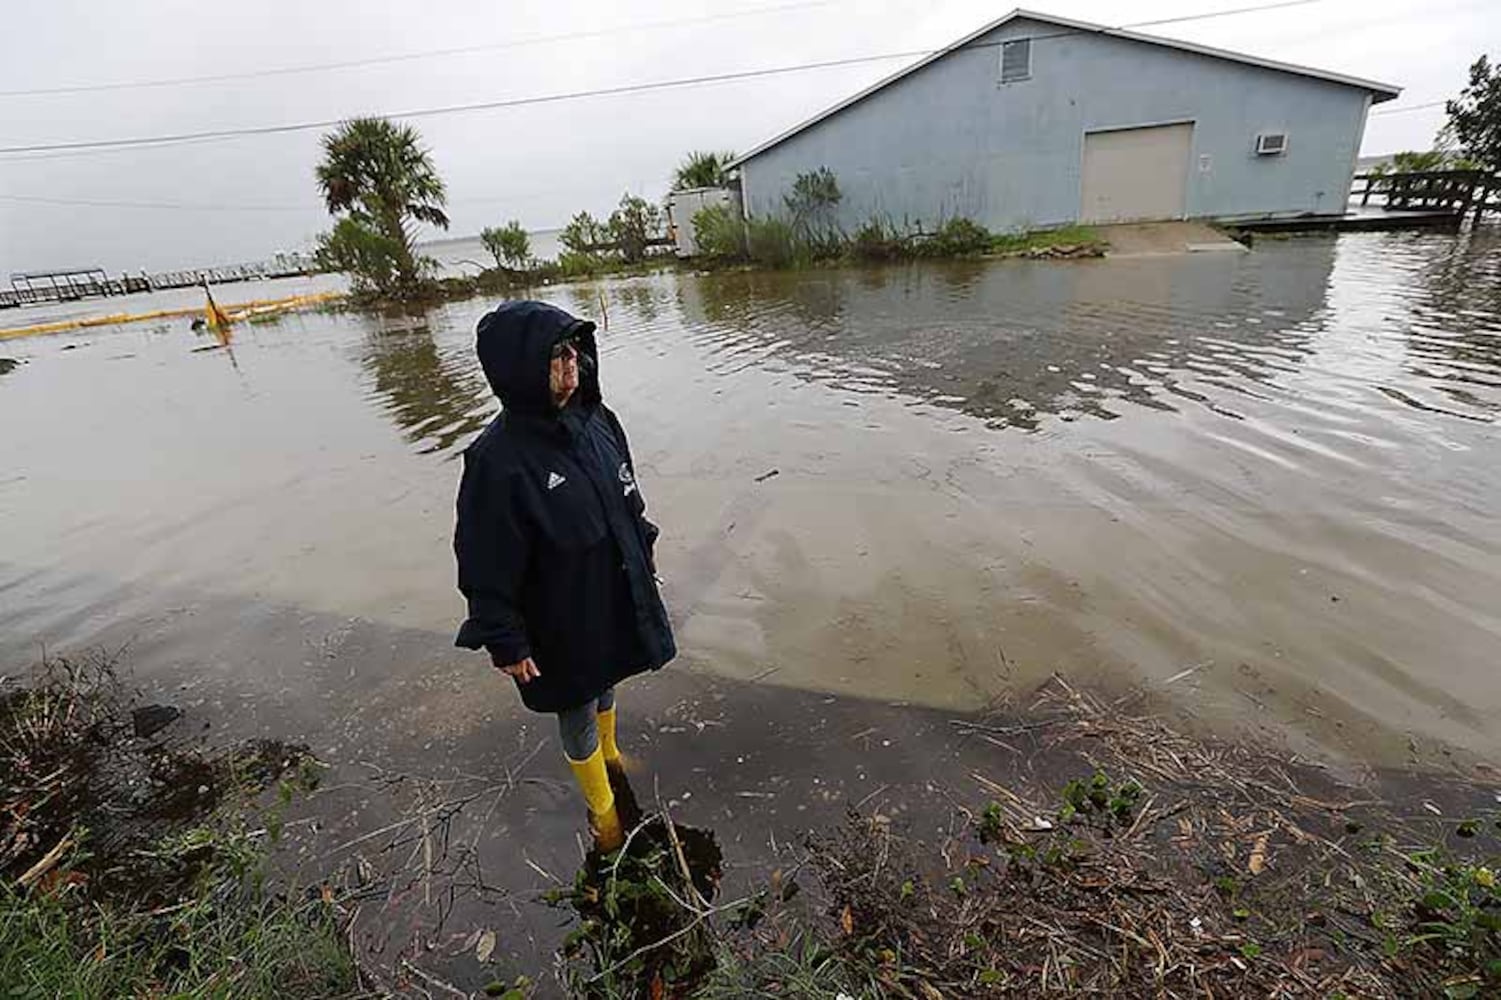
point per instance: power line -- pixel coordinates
(218, 134)
(85, 88)
(168, 205)
(632, 88)
(65, 155)
(1410, 107)
(1222, 13)
(203, 207)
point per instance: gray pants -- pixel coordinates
(579, 729)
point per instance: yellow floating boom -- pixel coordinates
(259, 306)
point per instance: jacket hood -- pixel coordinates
(514, 344)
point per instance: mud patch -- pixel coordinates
(74, 768)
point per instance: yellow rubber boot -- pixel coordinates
(606, 722)
(594, 781)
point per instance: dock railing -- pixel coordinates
(87, 283)
(1454, 192)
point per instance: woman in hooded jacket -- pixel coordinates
(554, 550)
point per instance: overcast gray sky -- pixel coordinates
(243, 198)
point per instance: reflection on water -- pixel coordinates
(1454, 340)
(436, 395)
(1020, 343)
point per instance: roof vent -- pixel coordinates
(1271, 144)
(1016, 60)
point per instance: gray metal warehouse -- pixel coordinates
(1036, 121)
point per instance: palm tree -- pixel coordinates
(702, 169)
(378, 172)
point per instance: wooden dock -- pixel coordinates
(1418, 200)
(71, 285)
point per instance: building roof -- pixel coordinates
(1380, 91)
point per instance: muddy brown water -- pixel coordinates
(1263, 486)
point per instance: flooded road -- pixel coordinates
(1275, 472)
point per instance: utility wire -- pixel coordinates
(204, 207)
(630, 88)
(93, 203)
(1222, 13)
(88, 88)
(217, 134)
(1410, 107)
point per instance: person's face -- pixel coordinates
(563, 372)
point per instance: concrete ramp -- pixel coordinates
(1155, 239)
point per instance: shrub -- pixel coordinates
(878, 240)
(582, 233)
(770, 241)
(509, 244)
(573, 264)
(719, 232)
(818, 246)
(813, 192)
(374, 262)
(811, 205)
(958, 237)
(1419, 162)
(633, 225)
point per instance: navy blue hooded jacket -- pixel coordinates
(553, 545)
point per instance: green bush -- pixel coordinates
(719, 232)
(813, 198)
(574, 264)
(770, 242)
(820, 246)
(811, 207)
(632, 227)
(958, 237)
(374, 262)
(876, 241)
(509, 244)
(583, 232)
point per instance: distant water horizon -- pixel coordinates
(462, 255)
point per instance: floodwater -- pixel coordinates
(1261, 485)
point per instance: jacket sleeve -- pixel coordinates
(492, 551)
(652, 531)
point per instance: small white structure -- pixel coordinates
(682, 206)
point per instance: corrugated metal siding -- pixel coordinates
(952, 140)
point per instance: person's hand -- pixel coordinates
(524, 671)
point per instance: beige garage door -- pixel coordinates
(1135, 174)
